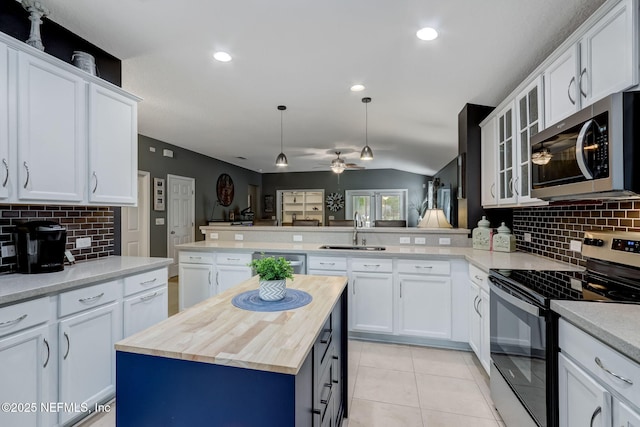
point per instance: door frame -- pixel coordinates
(144, 204)
(173, 268)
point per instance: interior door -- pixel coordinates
(135, 222)
(181, 216)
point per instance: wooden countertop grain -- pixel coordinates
(215, 331)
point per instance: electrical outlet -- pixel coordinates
(444, 240)
(576, 246)
(331, 217)
(576, 284)
(297, 237)
(405, 240)
(527, 237)
(83, 242)
(420, 241)
(159, 221)
(213, 236)
(239, 237)
(9, 250)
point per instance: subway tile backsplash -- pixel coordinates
(80, 221)
(553, 227)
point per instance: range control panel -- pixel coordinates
(615, 246)
(626, 245)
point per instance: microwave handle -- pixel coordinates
(580, 150)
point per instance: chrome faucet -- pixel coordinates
(356, 220)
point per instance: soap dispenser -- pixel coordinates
(504, 241)
(481, 236)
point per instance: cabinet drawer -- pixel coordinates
(372, 264)
(328, 263)
(23, 315)
(144, 281)
(196, 257)
(145, 310)
(584, 349)
(89, 297)
(233, 259)
(424, 266)
(322, 348)
(479, 277)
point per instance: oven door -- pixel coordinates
(519, 346)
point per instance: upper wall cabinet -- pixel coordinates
(604, 60)
(113, 154)
(488, 162)
(51, 132)
(4, 122)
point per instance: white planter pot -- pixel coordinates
(272, 290)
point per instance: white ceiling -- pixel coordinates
(306, 54)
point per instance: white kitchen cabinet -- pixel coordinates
(603, 61)
(582, 401)
(52, 130)
(488, 156)
(4, 122)
(144, 310)
(26, 368)
(479, 320)
(624, 416)
(372, 301)
(113, 147)
(227, 276)
(87, 357)
(195, 284)
(425, 306)
(506, 143)
(475, 321)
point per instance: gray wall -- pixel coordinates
(350, 180)
(205, 170)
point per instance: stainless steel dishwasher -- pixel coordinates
(298, 261)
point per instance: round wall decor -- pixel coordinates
(335, 202)
(224, 189)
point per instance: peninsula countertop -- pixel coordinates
(16, 286)
(215, 331)
(614, 324)
(482, 259)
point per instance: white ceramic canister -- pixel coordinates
(84, 61)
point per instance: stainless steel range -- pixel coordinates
(524, 342)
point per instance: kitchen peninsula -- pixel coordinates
(216, 364)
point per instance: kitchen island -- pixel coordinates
(216, 365)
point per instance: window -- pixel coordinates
(374, 205)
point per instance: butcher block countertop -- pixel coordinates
(214, 331)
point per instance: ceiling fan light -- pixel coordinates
(541, 157)
(281, 160)
(366, 153)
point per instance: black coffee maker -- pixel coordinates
(40, 246)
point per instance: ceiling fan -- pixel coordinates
(338, 165)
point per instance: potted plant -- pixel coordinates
(273, 273)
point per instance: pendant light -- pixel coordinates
(366, 153)
(281, 160)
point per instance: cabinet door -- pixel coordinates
(372, 302)
(87, 357)
(488, 163)
(227, 276)
(475, 320)
(4, 122)
(145, 310)
(624, 416)
(196, 284)
(51, 132)
(425, 306)
(506, 155)
(609, 61)
(561, 94)
(25, 372)
(485, 333)
(582, 401)
(113, 147)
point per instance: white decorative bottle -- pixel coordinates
(504, 241)
(481, 236)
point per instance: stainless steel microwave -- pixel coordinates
(591, 154)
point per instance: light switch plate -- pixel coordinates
(420, 241)
(9, 250)
(444, 240)
(213, 236)
(576, 284)
(239, 237)
(576, 246)
(159, 221)
(405, 240)
(331, 217)
(297, 237)
(527, 237)
(83, 242)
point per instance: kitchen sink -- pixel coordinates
(354, 247)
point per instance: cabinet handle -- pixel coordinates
(195, 257)
(326, 336)
(68, 346)
(210, 276)
(582, 73)
(328, 399)
(573, 80)
(475, 307)
(400, 289)
(479, 278)
(6, 168)
(515, 186)
(372, 265)
(594, 415)
(233, 259)
(96, 186)
(13, 322)
(148, 282)
(478, 310)
(90, 299)
(493, 193)
(354, 286)
(26, 183)
(511, 185)
(46, 362)
(327, 263)
(613, 374)
(424, 266)
(148, 297)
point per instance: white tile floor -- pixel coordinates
(405, 386)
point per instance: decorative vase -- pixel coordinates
(272, 290)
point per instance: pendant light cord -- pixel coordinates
(281, 132)
(366, 124)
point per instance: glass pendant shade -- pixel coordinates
(367, 152)
(434, 218)
(281, 160)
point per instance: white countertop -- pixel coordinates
(324, 229)
(17, 286)
(482, 259)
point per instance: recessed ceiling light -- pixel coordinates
(222, 56)
(427, 34)
(357, 88)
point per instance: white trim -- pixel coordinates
(173, 268)
(144, 204)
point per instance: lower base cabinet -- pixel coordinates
(142, 311)
(370, 290)
(425, 306)
(196, 284)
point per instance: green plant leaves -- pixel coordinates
(270, 268)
